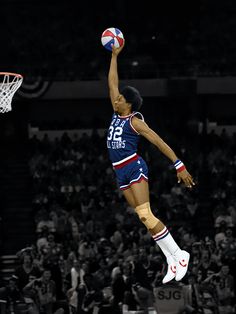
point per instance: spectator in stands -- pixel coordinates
(222, 284)
(228, 245)
(89, 295)
(52, 250)
(11, 297)
(43, 291)
(193, 302)
(69, 263)
(118, 288)
(129, 302)
(206, 263)
(144, 298)
(223, 218)
(106, 305)
(142, 285)
(196, 253)
(51, 255)
(74, 278)
(25, 270)
(225, 290)
(45, 222)
(87, 249)
(207, 303)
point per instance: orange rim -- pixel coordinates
(12, 74)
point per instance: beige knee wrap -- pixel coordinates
(146, 216)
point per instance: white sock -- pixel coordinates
(166, 242)
(164, 249)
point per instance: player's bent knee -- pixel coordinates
(146, 216)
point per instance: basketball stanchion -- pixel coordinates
(9, 84)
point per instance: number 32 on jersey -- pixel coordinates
(114, 133)
(114, 139)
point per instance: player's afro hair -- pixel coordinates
(133, 97)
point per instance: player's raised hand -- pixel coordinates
(186, 178)
(117, 50)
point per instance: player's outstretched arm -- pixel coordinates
(143, 129)
(113, 78)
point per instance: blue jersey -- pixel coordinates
(122, 139)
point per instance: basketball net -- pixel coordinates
(9, 83)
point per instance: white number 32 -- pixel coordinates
(115, 133)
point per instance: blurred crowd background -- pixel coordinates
(91, 253)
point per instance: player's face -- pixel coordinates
(121, 105)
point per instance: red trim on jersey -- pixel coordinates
(126, 162)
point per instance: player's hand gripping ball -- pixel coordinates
(112, 36)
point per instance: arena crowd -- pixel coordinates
(92, 255)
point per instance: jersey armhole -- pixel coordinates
(130, 120)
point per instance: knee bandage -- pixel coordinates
(146, 216)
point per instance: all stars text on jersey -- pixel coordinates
(116, 144)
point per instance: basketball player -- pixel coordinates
(131, 170)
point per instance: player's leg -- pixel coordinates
(140, 192)
(128, 194)
(142, 198)
(136, 199)
(176, 258)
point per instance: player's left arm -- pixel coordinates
(113, 77)
(143, 129)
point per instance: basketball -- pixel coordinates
(112, 36)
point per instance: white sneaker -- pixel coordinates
(171, 271)
(181, 260)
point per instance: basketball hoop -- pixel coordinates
(9, 83)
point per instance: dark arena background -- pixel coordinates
(69, 243)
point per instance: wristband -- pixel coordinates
(179, 165)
